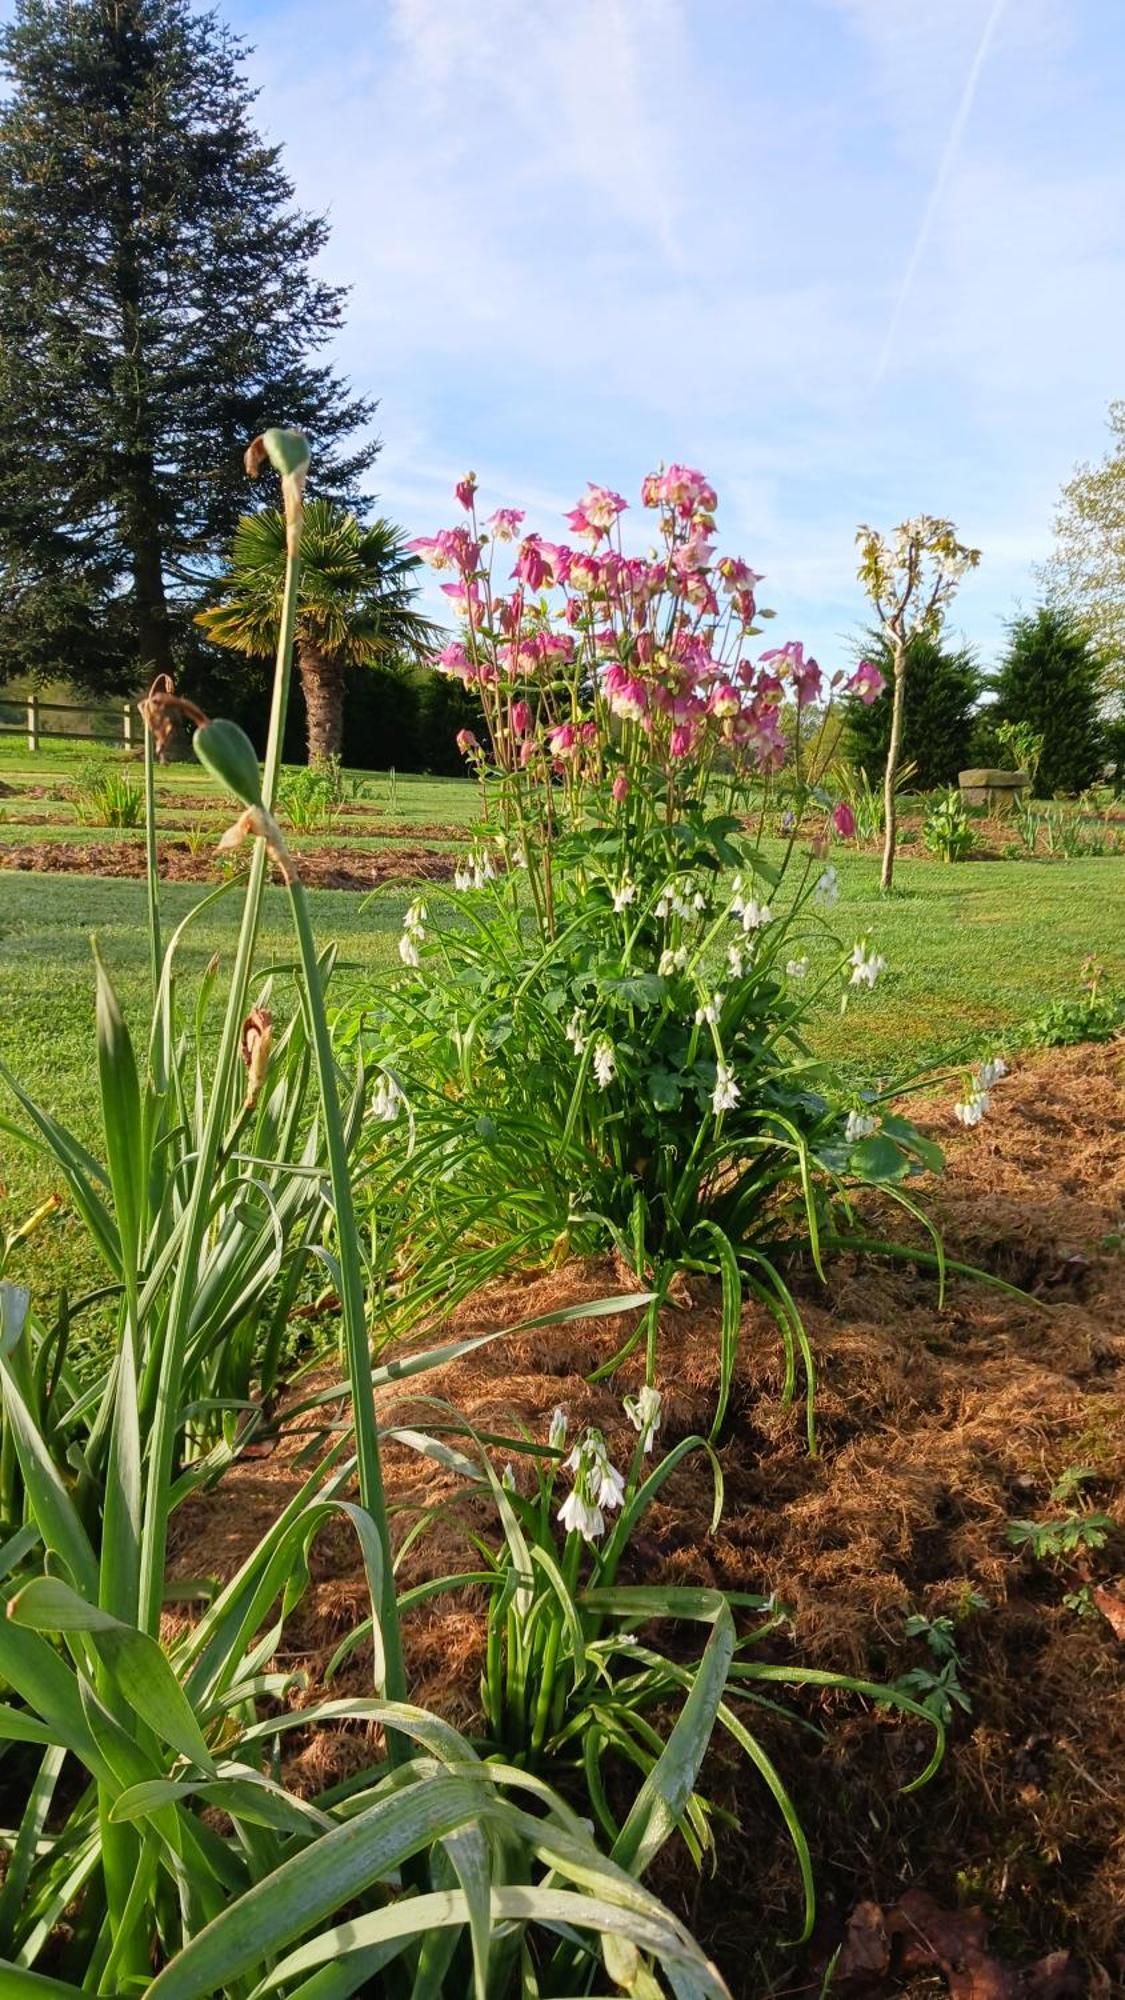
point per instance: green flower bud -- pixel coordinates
(287, 452)
(227, 752)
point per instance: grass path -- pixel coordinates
(971, 951)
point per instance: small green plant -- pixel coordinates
(938, 1686)
(103, 796)
(1023, 744)
(199, 838)
(1095, 1014)
(1059, 1540)
(946, 830)
(313, 796)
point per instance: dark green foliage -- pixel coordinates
(1113, 749)
(157, 310)
(1050, 677)
(943, 684)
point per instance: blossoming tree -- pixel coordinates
(911, 577)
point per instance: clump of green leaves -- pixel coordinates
(312, 796)
(1095, 1014)
(104, 796)
(937, 1685)
(946, 829)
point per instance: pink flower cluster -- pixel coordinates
(584, 646)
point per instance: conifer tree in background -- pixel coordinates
(1050, 678)
(943, 685)
(158, 306)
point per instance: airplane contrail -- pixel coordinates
(949, 155)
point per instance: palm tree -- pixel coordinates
(355, 605)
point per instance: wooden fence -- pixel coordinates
(118, 723)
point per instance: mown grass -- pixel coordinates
(972, 951)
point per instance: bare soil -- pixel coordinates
(321, 868)
(936, 1428)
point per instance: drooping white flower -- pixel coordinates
(827, 888)
(973, 1107)
(581, 1517)
(386, 1101)
(623, 895)
(708, 1011)
(508, 1478)
(598, 1486)
(408, 950)
(866, 965)
(860, 1125)
(736, 961)
(643, 1412)
(574, 1033)
(556, 1435)
(605, 1063)
(415, 919)
(737, 899)
(797, 968)
(672, 961)
(726, 1093)
(991, 1072)
(463, 876)
(755, 916)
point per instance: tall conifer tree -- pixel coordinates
(158, 307)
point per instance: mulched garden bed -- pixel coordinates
(320, 868)
(936, 1428)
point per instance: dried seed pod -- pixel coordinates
(257, 1040)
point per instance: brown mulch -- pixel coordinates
(936, 1427)
(320, 868)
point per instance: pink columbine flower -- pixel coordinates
(597, 512)
(453, 659)
(467, 743)
(725, 700)
(532, 564)
(465, 491)
(688, 491)
(505, 524)
(682, 740)
(521, 718)
(843, 819)
(563, 740)
(621, 787)
(629, 699)
(867, 682)
(584, 572)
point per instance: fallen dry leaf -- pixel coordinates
(1112, 1607)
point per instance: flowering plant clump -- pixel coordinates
(602, 1025)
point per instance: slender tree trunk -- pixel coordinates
(322, 678)
(154, 639)
(894, 751)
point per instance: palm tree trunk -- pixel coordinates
(322, 678)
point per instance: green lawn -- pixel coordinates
(972, 950)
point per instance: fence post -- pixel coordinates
(127, 726)
(33, 722)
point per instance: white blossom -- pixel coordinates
(643, 1412)
(598, 1487)
(708, 1011)
(991, 1072)
(736, 961)
(866, 965)
(672, 961)
(972, 1109)
(625, 894)
(556, 1435)
(386, 1101)
(726, 1093)
(605, 1063)
(574, 1033)
(860, 1125)
(508, 1478)
(408, 950)
(755, 915)
(797, 968)
(827, 888)
(415, 919)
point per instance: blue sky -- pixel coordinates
(856, 258)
